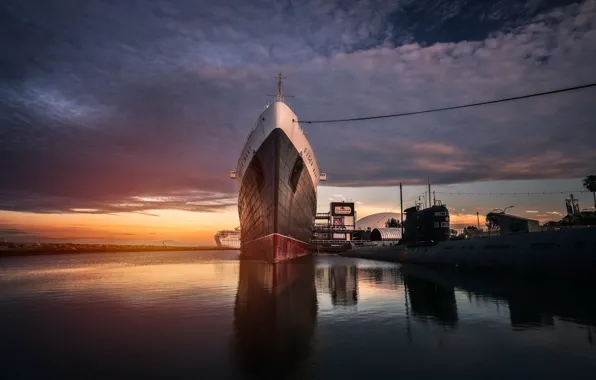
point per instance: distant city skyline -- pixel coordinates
(121, 121)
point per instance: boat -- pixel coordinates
(228, 238)
(427, 226)
(278, 174)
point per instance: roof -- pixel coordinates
(380, 234)
(509, 216)
(376, 220)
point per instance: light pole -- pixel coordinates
(503, 210)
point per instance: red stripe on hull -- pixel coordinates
(274, 249)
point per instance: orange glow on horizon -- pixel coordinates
(155, 226)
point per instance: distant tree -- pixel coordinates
(392, 223)
(590, 184)
(492, 221)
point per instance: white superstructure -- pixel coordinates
(228, 238)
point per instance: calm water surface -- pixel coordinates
(205, 315)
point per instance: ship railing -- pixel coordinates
(343, 227)
(231, 232)
(324, 241)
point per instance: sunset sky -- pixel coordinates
(120, 120)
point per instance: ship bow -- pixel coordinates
(276, 202)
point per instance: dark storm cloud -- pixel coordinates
(431, 21)
(113, 106)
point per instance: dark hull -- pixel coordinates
(276, 203)
(427, 225)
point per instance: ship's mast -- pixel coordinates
(280, 95)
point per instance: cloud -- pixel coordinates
(532, 212)
(198, 201)
(108, 102)
(11, 231)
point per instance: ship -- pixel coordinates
(426, 226)
(228, 238)
(277, 174)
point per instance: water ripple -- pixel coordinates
(190, 314)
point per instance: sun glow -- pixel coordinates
(154, 226)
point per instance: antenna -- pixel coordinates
(280, 96)
(429, 204)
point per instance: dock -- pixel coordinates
(392, 254)
(568, 253)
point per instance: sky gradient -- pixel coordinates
(119, 121)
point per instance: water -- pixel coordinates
(205, 315)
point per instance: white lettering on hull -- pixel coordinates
(279, 115)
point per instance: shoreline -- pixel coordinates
(17, 249)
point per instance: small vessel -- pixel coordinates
(278, 175)
(228, 238)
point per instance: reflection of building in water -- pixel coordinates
(532, 303)
(322, 278)
(431, 301)
(384, 278)
(524, 314)
(343, 285)
(275, 316)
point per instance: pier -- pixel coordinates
(566, 253)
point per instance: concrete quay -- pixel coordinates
(566, 253)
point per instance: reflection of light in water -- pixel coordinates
(374, 285)
(15, 274)
(135, 284)
(115, 316)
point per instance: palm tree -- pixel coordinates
(590, 184)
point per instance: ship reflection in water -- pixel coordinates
(208, 315)
(275, 316)
(530, 305)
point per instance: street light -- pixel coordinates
(503, 210)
